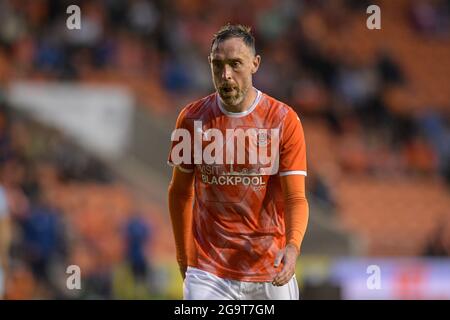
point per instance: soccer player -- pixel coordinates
(238, 223)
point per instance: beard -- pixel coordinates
(232, 95)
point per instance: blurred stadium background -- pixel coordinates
(86, 116)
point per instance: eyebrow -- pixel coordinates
(230, 60)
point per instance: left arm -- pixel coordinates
(296, 219)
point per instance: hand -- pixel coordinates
(289, 257)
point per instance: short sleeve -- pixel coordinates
(293, 146)
(180, 153)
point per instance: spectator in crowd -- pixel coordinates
(138, 237)
(43, 237)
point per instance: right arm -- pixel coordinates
(181, 196)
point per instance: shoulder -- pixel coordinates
(278, 109)
(197, 108)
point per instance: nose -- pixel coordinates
(226, 73)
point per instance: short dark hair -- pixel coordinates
(234, 31)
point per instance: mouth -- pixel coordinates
(227, 90)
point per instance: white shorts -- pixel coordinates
(202, 285)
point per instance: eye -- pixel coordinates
(235, 64)
(217, 65)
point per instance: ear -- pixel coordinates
(209, 58)
(256, 62)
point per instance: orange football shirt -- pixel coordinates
(238, 213)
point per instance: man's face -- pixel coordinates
(232, 65)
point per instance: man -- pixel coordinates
(239, 234)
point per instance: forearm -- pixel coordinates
(296, 219)
(181, 196)
(296, 209)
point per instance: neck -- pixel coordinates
(245, 104)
